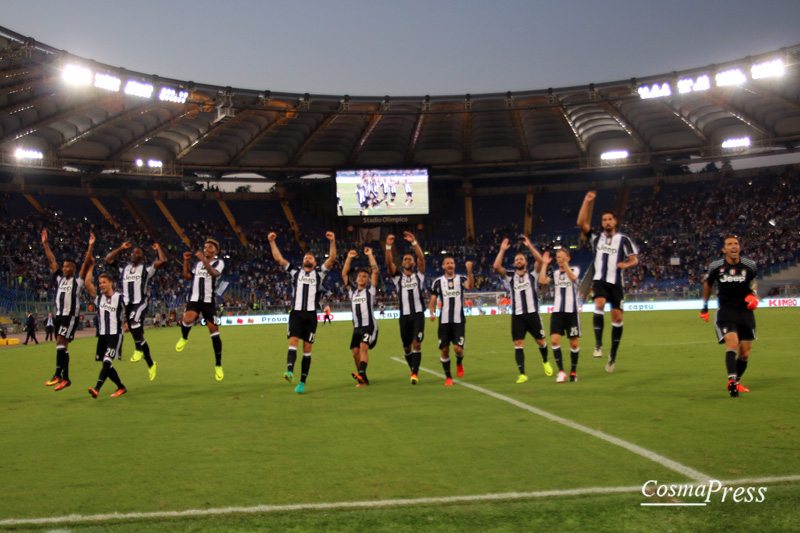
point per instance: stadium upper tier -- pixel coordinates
(59, 111)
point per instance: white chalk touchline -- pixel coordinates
(362, 504)
(660, 459)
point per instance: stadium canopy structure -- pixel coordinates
(62, 112)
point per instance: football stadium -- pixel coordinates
(155, 210)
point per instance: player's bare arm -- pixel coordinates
(537, 257)
(332, 253)
(389, 258)
(570, 274)
(470, 284)
(433, 307)
(546, 260)
(187, 267)
(417, 250)
(207, 264)
(161, 262)
(584, 224)
(275, 252)
(346, 268)
(631, 262)
(48, 253)
(498, 261)
(88, 260)
(373, 263)
(88, 282)
(112, 255)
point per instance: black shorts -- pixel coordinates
(134, 313)
(612, 293)
(568, 324)
(108, 346)
(207, 311)
(527, 323)
(368, 336)
(412, 328)
(66, 326)
(303, 325)
(451, 334)
(739, 321)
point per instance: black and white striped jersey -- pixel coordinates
(204, 285)
(110, 314)
(566, 291)
(409, 292)
(68, 294)
(450, 292)
(134, 282)
(362, 302)
(609, 251)
(307, 287)
(524, 299)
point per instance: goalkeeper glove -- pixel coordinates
(704, 312)
(752, 301)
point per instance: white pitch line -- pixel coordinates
(362, 504)
(647, 454)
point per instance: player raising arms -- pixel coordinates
(450, 288)
(202, 300)
(68, 304)
(306, 292)
(135, 279)
(565, 318)
(410, 298)
(110, 323)
(362, 298)
(613, 253)
(524, 304)
(734, 322)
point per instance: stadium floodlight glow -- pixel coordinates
(136, 88)
(107, 82)
(689, 85)
(654, 91)
(168, 94)
(614, 155)
(742, 142)
(767, 69)
(154, 163)
(77, 75)
(139, 162)
(22, 153)
(733, 76)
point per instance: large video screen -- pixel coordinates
(369, 193)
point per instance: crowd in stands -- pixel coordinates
(678, 230)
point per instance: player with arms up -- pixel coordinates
(565, 318)
(202, 300)
(613, 253)
(450, 288)
(524, 304)
(306, 292)
(734, 322)
(68, 304)
(408, 283)
(362, 298)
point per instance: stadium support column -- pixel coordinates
(528, 214)
(293, 224)
(34, 203)
(236, 229)
(468, 218)
(100, 207)
(173, 223)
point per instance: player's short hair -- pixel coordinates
(445, 258)
(214, 242)
(135, 246)
(107, 276)
(609, 212)
(565, 250)
(364, 270)
(730, 236)
(71, 261)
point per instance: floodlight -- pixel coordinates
(168, 94)
(77, 75)
(655, 91)
(742, 142)
(733, 76)
(767, 69)
(614, 154)
(154, 163)
(135, 88)
(22, 153)
(107, 82)
(139, 162)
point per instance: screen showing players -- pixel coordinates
(369, 193)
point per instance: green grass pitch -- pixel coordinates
(186, 442)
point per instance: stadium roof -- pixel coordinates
(59, 111)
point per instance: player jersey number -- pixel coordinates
(573, 332)
(62, 331)
(110, 353)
